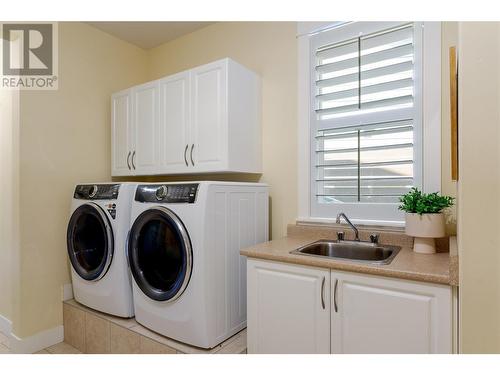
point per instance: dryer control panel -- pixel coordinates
(97, 192)
(167, 193)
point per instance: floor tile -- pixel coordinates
(122, 322)
(149, 346)
(124, 341)
(74, 327)
(184, 348)
(172, 343)
(43, 351)
(103, 333)
(62, 348)
(238, 344)
(97, 335)
(4, 340)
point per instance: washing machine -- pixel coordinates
(189, 279)
(96, 241)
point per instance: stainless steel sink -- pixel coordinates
(352, 250)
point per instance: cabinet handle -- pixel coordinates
(192, 148)
(133, 158)
(128, 161)
(323, 293)
(185, 158)
(335, 295)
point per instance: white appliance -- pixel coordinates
(96, 241)
(189, 279)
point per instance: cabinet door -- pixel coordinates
(121, 133)
(146, 152)
(382, 315)
(174, 124)
(208, 146)
(288, 308)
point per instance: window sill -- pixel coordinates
(386, 226)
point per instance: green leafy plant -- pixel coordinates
(420, 203)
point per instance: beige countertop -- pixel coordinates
(441, 268)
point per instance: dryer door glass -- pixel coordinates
(160, 254)
(90, 241)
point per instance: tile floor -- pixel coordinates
(4, 344)
(93, 332)
(61, 348)
(89, 331)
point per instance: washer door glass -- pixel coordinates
(160, 254)
(90, 241)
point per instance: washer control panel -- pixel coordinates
(97, 192)
(163, 193)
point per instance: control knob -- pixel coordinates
(161, 192)
(93, 191)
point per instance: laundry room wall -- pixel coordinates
(270, 49)
(449, 38)
(65, 139)
(9, 178)
(479, 187)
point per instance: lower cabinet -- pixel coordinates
(372, 314)
(300, 309)
(288, 308)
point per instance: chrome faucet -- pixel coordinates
(340, 235)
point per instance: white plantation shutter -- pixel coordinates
(368, 163)
(365, 124)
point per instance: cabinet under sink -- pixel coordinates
(302, 309)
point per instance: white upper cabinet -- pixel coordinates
(174, 122)
(121, 133)
(146, 152)
(288, 308)
(381, 315)
(135, 130)
(209, 121)
(204, 120)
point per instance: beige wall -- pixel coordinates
(65, 139)
(479, 186)
(5, 175)
(9, 177)
(270, 49)
(449, 37)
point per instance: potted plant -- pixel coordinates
(424, 218)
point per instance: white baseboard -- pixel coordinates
(67, 292)
(36, 342)
(5, 326)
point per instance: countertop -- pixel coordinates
(440, 268)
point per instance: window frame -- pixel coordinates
(428, 119)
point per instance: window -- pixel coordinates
(365, 119)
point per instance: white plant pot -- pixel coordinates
(425, 228)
